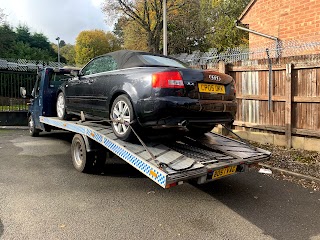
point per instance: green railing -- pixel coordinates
(10, 83)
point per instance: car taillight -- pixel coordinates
(171, 79)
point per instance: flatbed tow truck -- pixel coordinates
(168, 162)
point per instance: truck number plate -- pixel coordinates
(211, 88)
(224, 172)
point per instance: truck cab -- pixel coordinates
(44, 96)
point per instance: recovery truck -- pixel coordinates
(166, 161)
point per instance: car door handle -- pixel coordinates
(75, 82)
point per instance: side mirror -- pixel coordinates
(75, 73)
(23, 93)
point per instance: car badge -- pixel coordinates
(215, 78)
(190, 83)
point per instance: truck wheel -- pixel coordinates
(61, 107)
(122, 110)
(84, 161)
(79, 154)
(34, 132)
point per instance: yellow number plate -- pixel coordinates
(224, 172)
(211, 88)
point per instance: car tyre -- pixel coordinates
(122, 110)
(33, 131)
(61, 107)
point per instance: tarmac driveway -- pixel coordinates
(43, 197)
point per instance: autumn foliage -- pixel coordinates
(92, 43)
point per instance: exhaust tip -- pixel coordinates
(183, 123)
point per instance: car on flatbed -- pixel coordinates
(148, 91)
(168, 161)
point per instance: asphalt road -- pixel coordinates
(43, 197)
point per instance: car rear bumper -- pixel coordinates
(171, 111)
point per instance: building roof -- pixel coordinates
(247, 9)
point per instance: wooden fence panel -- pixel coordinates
(296, 98)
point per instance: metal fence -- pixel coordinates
(26, 65)
(10, 83)
(16, 73)
(276, 51)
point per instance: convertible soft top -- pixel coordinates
(131, 58)
(127, 59)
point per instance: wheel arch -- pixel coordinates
(60, 90)
(117, 94)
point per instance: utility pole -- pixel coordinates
(165, 35)
(58, 39)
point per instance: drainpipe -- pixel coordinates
(270, 84)
(260, 34)
(255, 32)
(270, 92)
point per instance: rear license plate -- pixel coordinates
(224, 172)
(211, 88)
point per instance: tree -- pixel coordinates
(223, 14)
(113, 41)
(69, 53)
(118, 29)
(130, 34)
(25, 51)
(21, 43)
(92, 43)
(187, 29)
(23, 34)
(135, 37)
(148, 14)
(2, 17)
(62, 43)
(7, 41)
(36, 41)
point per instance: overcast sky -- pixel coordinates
(53, 18)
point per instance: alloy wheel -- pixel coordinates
(121, 113)
(60, 106)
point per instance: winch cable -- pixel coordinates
(241, 139)
(160, 164)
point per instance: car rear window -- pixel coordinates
(54, 77)
(162, 61)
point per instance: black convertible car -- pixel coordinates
(148, 90)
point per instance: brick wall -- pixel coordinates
(286, 19)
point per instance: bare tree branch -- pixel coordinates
(147, 13)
